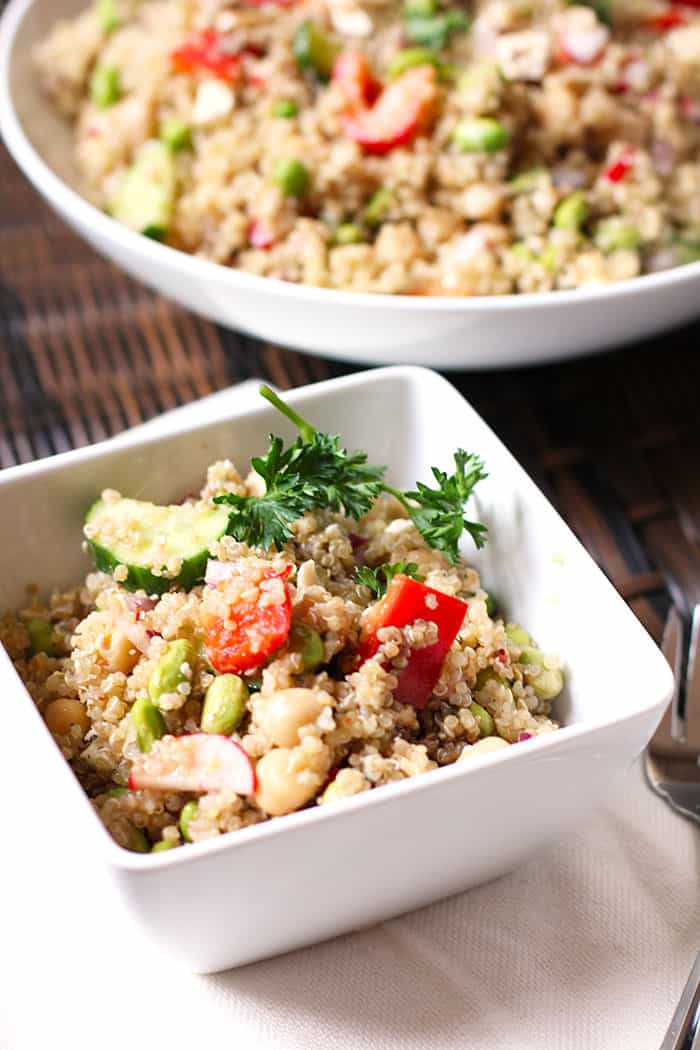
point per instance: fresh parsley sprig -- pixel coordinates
(438, 513)
(315, 472)
(378, 579)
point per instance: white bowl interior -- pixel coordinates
(540, 574)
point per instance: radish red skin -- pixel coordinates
(406, 601)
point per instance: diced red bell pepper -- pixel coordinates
(406, 601)
(354, 77)
(620, 168)
(204, 51)
(403, 110)
(256, 625)
(665, 21)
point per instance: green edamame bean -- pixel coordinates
(518, 635)
(549, 259)
(291, 176)
(378, 206)
(479, 74)
(108, 15)
(148, 722)
(521, 251)
(572, 212)
(164, 844)
(548, 683)
(314, 50)
(480, 135)
(117, 792)
(224, 704)
(284, 109)
(420, 8)
(497, 688)
(411, 57)
(176, 134)
(187, 814)
(40, 636)
(168, 673)
(137, 842)
(307, 641)
(490, 603)
(105, 86)
(617, 234)
(486, 723)
(348, 233)
(527, 181)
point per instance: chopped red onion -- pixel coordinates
(141, 603)
(568, 179)
(662, 259)
(524, 735)
(664, 157)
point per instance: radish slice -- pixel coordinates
(585, 47)
(198, 762)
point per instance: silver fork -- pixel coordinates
(672, 759)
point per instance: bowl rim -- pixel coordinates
(65, 199)
(546, 746)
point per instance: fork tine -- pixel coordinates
(668, 739)
(691, 713)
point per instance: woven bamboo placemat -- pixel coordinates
(85, 352)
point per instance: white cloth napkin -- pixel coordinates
(587, 947)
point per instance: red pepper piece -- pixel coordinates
(205, 52)
(403, 110)
(354, 77)
(406, 601)
(254, 628)
(667, 20)
(621, 167)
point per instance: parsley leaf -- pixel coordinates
(378, 579)
(438, 513)
(313, 472)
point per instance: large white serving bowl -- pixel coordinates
(326, 870)
(483, 332)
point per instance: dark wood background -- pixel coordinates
(86, 352)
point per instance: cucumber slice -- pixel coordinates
(146, 539)
(146, 196)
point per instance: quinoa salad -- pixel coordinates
(284, 639)
(423, 147)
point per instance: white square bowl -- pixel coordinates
(324, 871)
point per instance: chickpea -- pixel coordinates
(483, 747)
(281, 715)
(282, 789)
(61, 714)
(120, 653)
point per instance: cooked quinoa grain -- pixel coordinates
(129, 676)
(357, 144)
